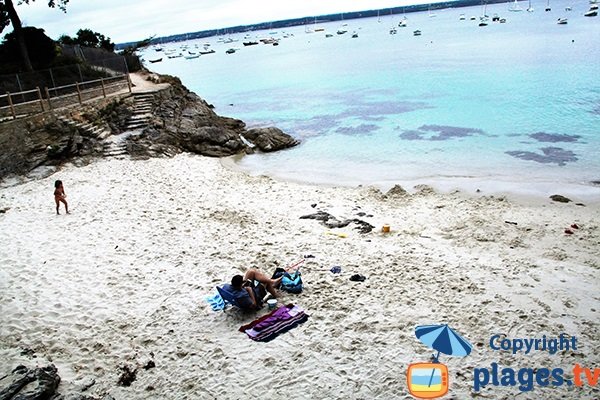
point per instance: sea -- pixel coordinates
(512, 106)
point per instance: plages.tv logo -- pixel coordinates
(429, 380)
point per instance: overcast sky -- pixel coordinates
(131, 20)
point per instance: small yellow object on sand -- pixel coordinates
(342, 234)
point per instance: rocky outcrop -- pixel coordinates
(182, 121)
(175, 120)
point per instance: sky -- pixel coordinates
(133, 20)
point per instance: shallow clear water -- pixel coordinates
(514, 105)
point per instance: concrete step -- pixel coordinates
(136, 125)
(104, 134)
(139, 118)
(88, 128)
(143, 97)
(110, 148)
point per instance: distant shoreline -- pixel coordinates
(286, 23)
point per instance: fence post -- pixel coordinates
(80, 76)
(48, 96)
(129, 83)
(103, 89)
(39, 92)
(52, 79)
(78, 92)
(12, 107)
(20, 87)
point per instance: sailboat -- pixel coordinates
(515, 7)
(378, 17)
(548, 6)
(403, 22)
(484, 14)
(318, 28)
(483, 20)
(530, 8)
(342, 28)
(431, 15)
(307, 28)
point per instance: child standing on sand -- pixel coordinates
(60, 196)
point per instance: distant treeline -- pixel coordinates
(321, 18)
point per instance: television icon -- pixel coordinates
(427, 380)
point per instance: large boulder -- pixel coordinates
(270, 139)
(30, 384)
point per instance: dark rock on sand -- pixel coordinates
(41, 383)
(128, 375)
(270, 139)
(332, 222)
(149, 364)
(319, 216)
(560, 198)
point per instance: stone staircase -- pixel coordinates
(88, 129)
(116, 145)
(142, 111)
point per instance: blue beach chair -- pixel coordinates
(228, 298)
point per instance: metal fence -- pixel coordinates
(23, 103)
(65, 75)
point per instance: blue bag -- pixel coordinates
(292, 282)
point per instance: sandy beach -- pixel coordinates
(123, 280)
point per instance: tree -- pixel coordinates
(88, 38)
(8, 13)
(42, 48)
(66, 39)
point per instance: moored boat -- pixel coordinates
(515, 7)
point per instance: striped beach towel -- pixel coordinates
(269, 326)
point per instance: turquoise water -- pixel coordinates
(514, 105)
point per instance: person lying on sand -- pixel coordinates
(60, 196)
(247, 295)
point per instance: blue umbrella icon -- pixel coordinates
(443, 339)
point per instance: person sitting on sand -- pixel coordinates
(247, 295)
(60, 196)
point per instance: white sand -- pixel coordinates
(125, 275)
